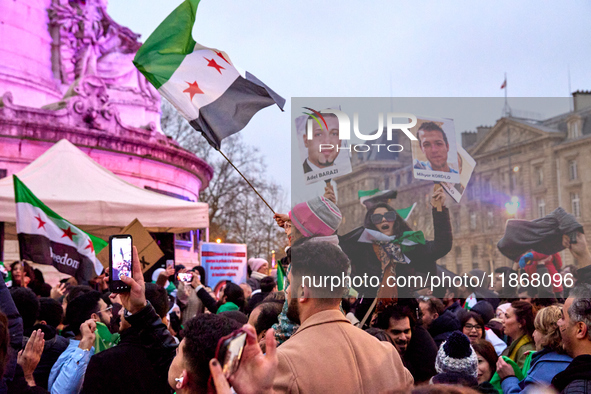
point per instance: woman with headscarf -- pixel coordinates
(387, 247)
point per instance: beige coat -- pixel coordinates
(329, 355)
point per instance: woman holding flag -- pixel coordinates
(386, 248)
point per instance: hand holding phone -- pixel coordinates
(255, 370)
(135, 299)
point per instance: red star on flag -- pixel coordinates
(193, 89)
(90, 246)
(68, 233)
(222, 56)
(212, 63)
(41, 222)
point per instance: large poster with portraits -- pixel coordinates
(467, 164)
(434, 154)
(323, 154)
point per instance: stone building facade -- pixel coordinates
(545, 164)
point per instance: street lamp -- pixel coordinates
(219, 240)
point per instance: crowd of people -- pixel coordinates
(162, 336)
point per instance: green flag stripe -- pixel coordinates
(365, 193)
(166, 48)
(23, 194)
(280, 276)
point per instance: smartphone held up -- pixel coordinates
(120, 255)
(229, 351)
(186, 277)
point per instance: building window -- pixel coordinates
(457, 221)
(2, 173)
(490, 218)
(472, 220)
(575, 203)
(409, 178)
(475, 264)
(459, 266)
(387, 184)
(573, 130)
(539, 176)
(541, 207)
(397, 180)
(572, 170)
(486, 189)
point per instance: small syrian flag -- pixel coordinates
(504, 85)
(280, 277)
(371, 197)
(202, 83)
(47, 238)
(405, 212)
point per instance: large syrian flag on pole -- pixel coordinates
(47, 238)
(202, 83)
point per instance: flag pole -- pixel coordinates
(243, 177)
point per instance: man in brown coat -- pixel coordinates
(327, 353)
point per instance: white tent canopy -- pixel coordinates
(93, 198)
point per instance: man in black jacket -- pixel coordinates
(140, 362)
(126, 368)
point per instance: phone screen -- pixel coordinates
(234, 349)
(185, 277)
(120, 247)
(169, 264)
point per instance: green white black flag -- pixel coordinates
(202, 83)
(47, 238)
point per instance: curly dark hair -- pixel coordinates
(396, 312)
(201, 336)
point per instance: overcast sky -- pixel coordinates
(385, 48)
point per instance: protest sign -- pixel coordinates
(434, 153)
(323, 154)
(467, 164)
(223, 262)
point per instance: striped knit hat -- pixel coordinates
(317, 217)
(457, 355)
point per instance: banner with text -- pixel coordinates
(223, 262)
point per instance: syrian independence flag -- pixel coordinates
(405, 212)
(47, 238)
(371, 197)
(202, 83)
